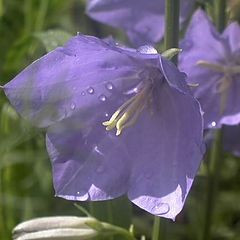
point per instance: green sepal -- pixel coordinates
(170, 53)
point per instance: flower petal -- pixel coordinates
(76, 77)
(232, 33)
(196, 46)
(89, 163)
(167, 150)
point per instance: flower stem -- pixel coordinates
(156, 228)
(212, 183)
(220, 14)
(172, 8)
(215, 161)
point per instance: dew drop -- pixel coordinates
(90, 90)
(147, 49)
(161, 208)
(82, 195)
(109, 86)
(213, 124)
(106, 115)
(83, 93)
(73, 106)
(102, 98)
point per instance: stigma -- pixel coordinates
(128, 114)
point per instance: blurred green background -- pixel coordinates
(26, 189)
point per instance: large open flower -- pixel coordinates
(119, 121)
(143, 20)
(212, 60)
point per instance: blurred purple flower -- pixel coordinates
(231, 139)
(142, 20)
(155, 153)
(212, 60)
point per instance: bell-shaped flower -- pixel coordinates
(142, 20)
(119, 121)
(212, 60)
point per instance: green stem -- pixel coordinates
(172, 8)
(156, 228)
(215, 161)
(212, 183)
(220, 14)
(111, 230)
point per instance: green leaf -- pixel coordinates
(52, 39)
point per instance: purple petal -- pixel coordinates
(213, 48)
(232, 34)
(88, 162)
(142, 20)
(153, 161)
(201, 42)
(77, 77)
(167, 151)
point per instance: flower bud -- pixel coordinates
(66, 227)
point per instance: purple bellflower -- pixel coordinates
(119, 121)
(212, 60)
(231, 139)
(142, 20)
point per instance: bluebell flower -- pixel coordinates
(212, 60)
(118, 120)
(142, 20)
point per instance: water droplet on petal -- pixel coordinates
(90, 90)
(102, 98)
(109, 86)
(83, 93)
(106, 115)
(82, 195)
(213, 124)
(147, 49)
(161, 208)
(73, 106)
(100, 169)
